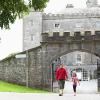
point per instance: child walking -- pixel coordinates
(75, 81)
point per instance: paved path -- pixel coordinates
(47, 96)
(85, 87)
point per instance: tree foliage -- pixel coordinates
(11, 9)
(38, 4)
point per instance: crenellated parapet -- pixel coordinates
(75, 13)
(71, 36)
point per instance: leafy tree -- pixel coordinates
(11, 9)
(38, 4)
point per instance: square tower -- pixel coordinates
(32, 29)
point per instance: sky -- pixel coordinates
(12, 40)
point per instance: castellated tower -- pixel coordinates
(39, 27)
(32, 29)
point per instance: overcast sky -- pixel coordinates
(11, 40)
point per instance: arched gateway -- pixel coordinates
(57, 46)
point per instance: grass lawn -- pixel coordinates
(9, 87)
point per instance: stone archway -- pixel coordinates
(88, 83)
(56, 46)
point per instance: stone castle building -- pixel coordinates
(71, 21)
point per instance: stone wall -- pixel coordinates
(29, 71)
(13, 70)
(35, 70)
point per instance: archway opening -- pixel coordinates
(85, 65)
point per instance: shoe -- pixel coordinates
(60, 94)
(74, 94)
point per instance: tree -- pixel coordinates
(38, 4)
(11, 9)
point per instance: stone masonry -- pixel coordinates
(48, 37)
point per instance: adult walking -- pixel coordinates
(61, 76)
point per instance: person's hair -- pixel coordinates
(74, 74)
(61, 65)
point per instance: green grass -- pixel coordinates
(9, 87)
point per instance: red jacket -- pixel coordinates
(61, 74)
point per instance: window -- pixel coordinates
(32, 37)
(57, 25)
(97, 24)
(79, 58)
(31, 22)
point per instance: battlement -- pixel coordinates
(70, 36)
(74, 13)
